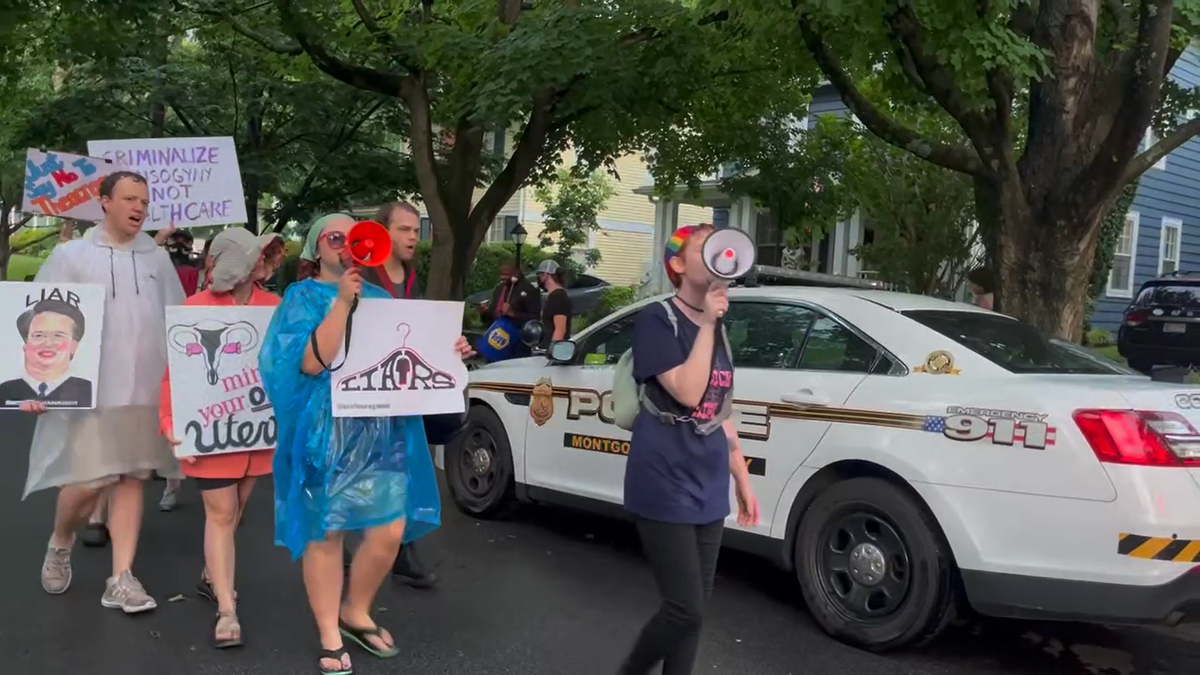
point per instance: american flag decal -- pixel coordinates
(936, 424)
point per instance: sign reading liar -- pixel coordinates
(193, 181)
(62, 184)
(401, 361)
(218, 402)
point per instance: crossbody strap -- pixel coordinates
(312, 340)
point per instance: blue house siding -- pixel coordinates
(1173, 192)
(825, 100)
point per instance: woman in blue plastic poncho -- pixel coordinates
(345, 474)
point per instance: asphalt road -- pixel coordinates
(549, 592)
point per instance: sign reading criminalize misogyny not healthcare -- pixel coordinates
(63, 184)
(218, 402)
(193, 181)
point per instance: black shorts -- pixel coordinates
(203, 484)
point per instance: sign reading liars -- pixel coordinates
(218, 402)
(401, 361)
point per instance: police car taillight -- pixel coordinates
(1140, 437)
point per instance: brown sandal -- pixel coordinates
(227, 624)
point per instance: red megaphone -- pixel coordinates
(369, 243)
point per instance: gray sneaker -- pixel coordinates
(170, 498)
(126, 594)
(56, 570)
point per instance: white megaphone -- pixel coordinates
(728, 253)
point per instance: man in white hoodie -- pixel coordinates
(115, 447)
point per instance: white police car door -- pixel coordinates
(577, 449)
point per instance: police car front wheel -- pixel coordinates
(873, 566)
(479, 467)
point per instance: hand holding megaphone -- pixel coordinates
(716, 301)
(350, 286)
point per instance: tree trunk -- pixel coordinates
(1043, 256)
(253, 194)
(5, 233)
(450, 262)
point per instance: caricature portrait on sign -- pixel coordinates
(51, 334)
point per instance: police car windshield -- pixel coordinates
(1014, 346)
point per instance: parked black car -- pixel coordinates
(1161, 327)
(584, 290)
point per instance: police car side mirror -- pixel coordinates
(531, 333)
(562, 352)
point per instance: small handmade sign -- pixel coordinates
(193, 181)
(62, 184)
(401, 361)
(218, 403)
(51, 333)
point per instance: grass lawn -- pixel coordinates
(1109, 352)
(21, 266)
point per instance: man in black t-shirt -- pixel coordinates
(515, 298)
(556, 310)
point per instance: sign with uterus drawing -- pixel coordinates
(218, 402)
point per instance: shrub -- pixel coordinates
(1098, 338)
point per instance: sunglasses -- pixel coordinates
(335, 240)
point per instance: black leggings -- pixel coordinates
(684, 560)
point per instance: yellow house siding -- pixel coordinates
(623, 256)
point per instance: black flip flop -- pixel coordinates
(333, 655)
(361, 635)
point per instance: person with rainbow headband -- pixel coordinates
(337, 475)
(678, 473)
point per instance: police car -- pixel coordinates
(909, 455)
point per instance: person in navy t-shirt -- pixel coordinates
(678, 475)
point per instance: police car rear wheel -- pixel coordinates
(873, 566)
(479, 466)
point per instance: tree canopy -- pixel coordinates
(599, 77)
(1049, 102)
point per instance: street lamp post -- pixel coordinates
(518, 235)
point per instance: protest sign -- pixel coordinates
(218, 403)
(401, 360)
(51, 333)
(193, 181)
(62, 184)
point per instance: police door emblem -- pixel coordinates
(940, 362)
(541, 408)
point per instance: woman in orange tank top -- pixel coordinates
(226, 480)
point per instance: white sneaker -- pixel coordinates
(126, 593)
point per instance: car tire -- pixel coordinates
(479, 466)
(873, 566)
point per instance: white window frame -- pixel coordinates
(1163, 255)
(1148, 141)
(1133, 219)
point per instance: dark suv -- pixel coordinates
(1161, 327)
